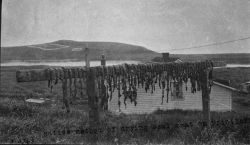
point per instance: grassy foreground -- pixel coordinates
(21, 122)
(26, 123)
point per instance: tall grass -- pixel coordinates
(26, 123)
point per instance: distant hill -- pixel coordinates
(62, 49)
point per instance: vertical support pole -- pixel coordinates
(87, 65)
(87, 57)
(103, 60)
(105, 100)
(92, 102)
(206, 97)
(65, 93)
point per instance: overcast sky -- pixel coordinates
(159, 25)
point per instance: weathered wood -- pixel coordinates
(92, 102)
(65, 94)
(105, 103)
(87, 57)
(206, 97)
(40, 74)
(33, 75)
(103, 60)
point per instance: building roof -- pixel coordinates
(224, 86)
(246, 82)
(178, 61)
(169, 59)
(222, 81)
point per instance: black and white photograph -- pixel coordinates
(116, 72)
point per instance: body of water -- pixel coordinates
(82, 63)
(234, 65)
(68, 63)
(238, 65)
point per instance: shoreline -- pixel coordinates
(66, 63)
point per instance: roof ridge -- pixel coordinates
(225, 86)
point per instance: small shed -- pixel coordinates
(166, 58)
(179, 98)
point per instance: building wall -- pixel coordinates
(220, 100)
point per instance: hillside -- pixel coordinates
(62, 49)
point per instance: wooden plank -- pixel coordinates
(87, 57)
(65, 94)
(35, 101)
(206, 97)
(40, 74)
(103, 63)
(103, 60)
(93, 102)
(33, 75)
(92, 98)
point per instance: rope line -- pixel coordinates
(213, 44)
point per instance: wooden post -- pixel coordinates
(105, 100)
(65, 90)
(92, 102)
(33, 75)
(206, 97)
(87, 57)
(65, 99)
(103, 60)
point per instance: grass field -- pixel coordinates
(235, 75)
(22, 122)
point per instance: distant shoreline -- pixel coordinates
(75, 62)
(66, 63)
(80, 60)
(61, 60)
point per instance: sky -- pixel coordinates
(159, 25)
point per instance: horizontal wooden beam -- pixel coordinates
(33, 75)
(80, 72)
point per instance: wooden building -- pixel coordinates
(179, 98)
